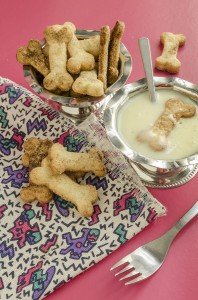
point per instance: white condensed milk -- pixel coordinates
(138, 113)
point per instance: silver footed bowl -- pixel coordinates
(154, 173)
(80, 107)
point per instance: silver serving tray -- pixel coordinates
(154, 173)
(80, 107)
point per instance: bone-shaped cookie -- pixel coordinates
(36, 192)
(82, 196)
(35, 150)
(62, 160)
(33, 55)
(91, 45)
(88, 84)
(103, 55)
(57, 38)
(156, 136)
(114, 51)
(79, 59)
(168, 60)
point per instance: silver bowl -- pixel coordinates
(154, 173)
(80, 108)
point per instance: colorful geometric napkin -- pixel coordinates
(43, 246)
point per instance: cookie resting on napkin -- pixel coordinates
(43, 246)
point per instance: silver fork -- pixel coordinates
(147, 259)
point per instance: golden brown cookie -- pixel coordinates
(35, 150)
(91, 45)
(63, 161)
(114, 51)
(82, 196)
(103, 55)
(88, 84)
(168, 60)
(34, 192)
(79, 59)
(57, 38)
(33, 55)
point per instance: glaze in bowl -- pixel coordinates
(158, 173)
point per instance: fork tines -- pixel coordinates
(134, 275)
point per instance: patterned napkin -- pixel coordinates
(43, 246)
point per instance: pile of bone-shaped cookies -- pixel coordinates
(75, 67)
(54, 170)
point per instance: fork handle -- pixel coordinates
(193, 212)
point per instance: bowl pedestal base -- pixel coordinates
(164, 178)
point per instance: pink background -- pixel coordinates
(21, 20)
